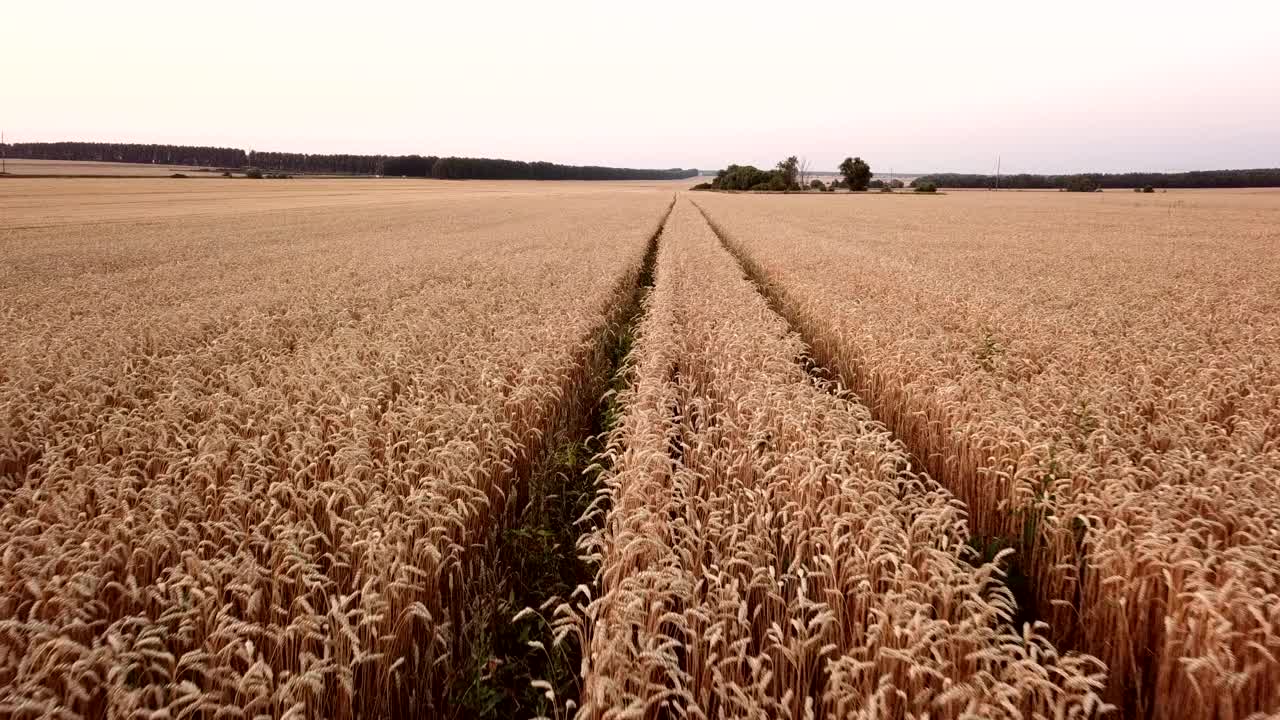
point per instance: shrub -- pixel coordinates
(817, 185)
(226, 173)
(877, 184)
(778, 183)
(701, 186)
(177, 175)
(897, 184)
(253, 173)
(926, 187)
(1148, 189)
(886, 188)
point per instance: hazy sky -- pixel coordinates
(910, 85)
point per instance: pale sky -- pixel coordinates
(909, 85)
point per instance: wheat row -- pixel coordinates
(250, 465)
(1097, 380)
(766, 549)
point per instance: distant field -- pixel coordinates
(310, 449)
(88, 201)
(78, 167)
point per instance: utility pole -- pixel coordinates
(4, 155)
(997, 173)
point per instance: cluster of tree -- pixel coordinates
(784, 177)
(254, 173)
(887, 184)
(279, 162)
(1084, 182)
(130, 153)
(750, 177)
(789, 175)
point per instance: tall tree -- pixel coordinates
(790, 172)
(857, 173)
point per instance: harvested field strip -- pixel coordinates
(533, 559)
(1129, 453)
(766, 549)
(198, 522)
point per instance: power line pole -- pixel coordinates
(4, 155)
(997, 172)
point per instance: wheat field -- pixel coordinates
(768, 550)
(1098, 378)
(251, 459)
(263, 445)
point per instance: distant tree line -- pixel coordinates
(1266, 177)
(408, 166)
(130, 153)
(317, 164)
(463, 168)
(451, 168)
